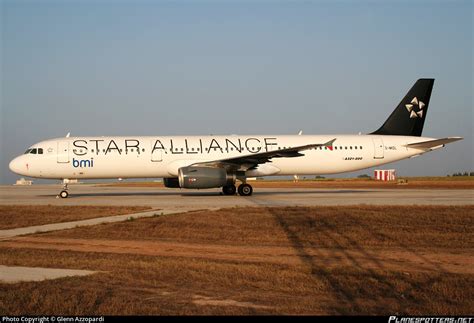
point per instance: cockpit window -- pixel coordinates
(38, 151)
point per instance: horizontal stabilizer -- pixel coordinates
(433, 143)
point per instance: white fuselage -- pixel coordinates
(146, 157)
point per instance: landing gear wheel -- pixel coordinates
(64, 194)
(229, 190)
(245, 190)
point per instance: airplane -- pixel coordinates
(201, 162)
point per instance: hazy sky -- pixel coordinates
(221, 67)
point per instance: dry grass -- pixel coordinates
(203, 283)
(374, 226)
(17, 216)
(458, 182)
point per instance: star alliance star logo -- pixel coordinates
(411, 108)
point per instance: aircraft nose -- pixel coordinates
(15, 166)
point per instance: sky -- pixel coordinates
(233, 67)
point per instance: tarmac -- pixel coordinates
(181, 199)
(18, 274)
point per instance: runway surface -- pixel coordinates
(175, 199)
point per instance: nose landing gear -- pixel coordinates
(64, 193)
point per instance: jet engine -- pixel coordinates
(204, 177)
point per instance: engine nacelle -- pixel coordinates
(204, 177)
(171, 182)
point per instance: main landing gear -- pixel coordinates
(229, 189)
(64, 193)
(243, 190)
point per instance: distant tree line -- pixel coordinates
(463, 174)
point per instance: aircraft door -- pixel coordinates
(63, 152)
(378, 148)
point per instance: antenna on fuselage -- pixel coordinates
(300, 133)
(68, 134)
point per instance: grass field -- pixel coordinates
(17, 216)
(292, 260)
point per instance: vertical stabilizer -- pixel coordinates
(409, 116)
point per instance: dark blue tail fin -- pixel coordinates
(409, 116)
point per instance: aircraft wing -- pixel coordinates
(437, 143)
(251, 161)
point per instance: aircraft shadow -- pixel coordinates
(207, 194)
(317, 263)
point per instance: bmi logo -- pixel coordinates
(83, 163)
(415, 107)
